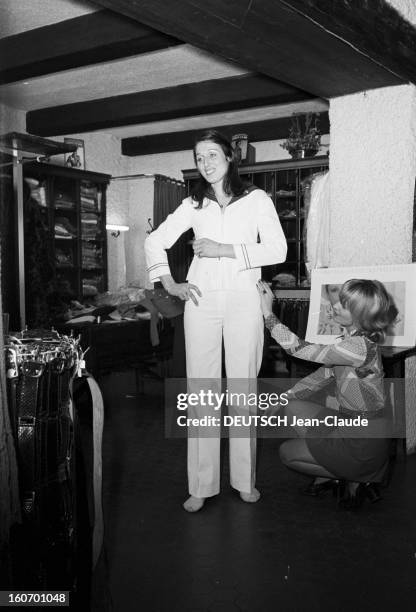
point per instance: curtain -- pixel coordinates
(168, 194)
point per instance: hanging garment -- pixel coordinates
(317, 223)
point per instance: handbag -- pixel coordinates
(168, 305)
(159, 301)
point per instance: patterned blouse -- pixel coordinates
(353, 364)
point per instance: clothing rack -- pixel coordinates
(293, 312)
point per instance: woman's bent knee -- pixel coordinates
(293, 451)
(286, 452)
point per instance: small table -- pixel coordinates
(122, 345)
(394, 359)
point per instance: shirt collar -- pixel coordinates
(210, 193)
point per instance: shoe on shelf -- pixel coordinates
(318, 487)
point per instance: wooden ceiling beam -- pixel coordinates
(271, 129)
(97, 37)
(216, 95)
(374, 28)
(295, 41)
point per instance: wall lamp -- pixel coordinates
(117, 229)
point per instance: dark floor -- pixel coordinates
(286, 553)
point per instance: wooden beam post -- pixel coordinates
(272, 129)
(97, 37)
(276, 39)
(217, 95)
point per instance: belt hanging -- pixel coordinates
(28, 445)
(98, 426)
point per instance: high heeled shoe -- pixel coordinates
(372, 492)
(356, 493)
(318, 489)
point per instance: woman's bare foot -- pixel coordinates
(193, 504)
(252, 497)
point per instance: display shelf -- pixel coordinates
(67, 191)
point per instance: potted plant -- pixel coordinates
(304, 137)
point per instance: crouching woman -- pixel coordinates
(353, 364)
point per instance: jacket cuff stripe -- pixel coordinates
(246, 257)
(158, 265)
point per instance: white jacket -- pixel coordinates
(246, 218)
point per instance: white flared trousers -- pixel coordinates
(236, 317)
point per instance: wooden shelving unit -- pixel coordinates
(73, 208)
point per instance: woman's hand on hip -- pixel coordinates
(204, 247)
(185, 291)
(266, 298)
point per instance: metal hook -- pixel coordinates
(149, 221)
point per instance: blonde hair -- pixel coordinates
(372, 308)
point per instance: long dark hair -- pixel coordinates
(232, 184)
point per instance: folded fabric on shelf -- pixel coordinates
(285, 193)
(62, 232)
(90, 232)
(63, 257)
(89, 290)
(64, 223)
(89, 218)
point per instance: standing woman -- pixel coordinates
(222, 303)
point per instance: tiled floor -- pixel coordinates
(287, 553)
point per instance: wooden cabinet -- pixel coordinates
(69, 206)
(284, 181)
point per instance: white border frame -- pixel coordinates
(388, 273)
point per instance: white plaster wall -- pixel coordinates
(12, 119)
(408, 10)
(22, 15)
(140, 210)
(372, 164)
(169, 164)
(372, 181)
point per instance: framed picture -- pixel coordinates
(244, 152)
(77, 158)
(399, 281)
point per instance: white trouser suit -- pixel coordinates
(229, 308)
